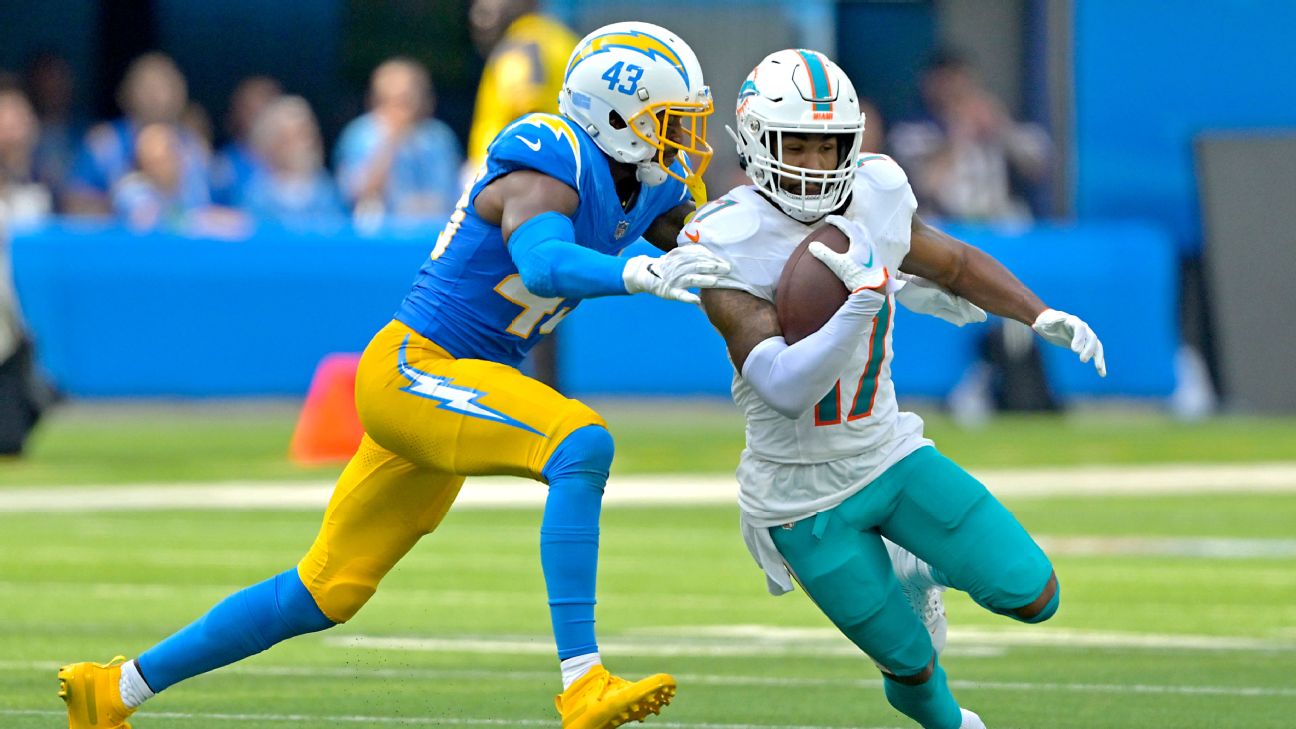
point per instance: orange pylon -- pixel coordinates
(329, 430)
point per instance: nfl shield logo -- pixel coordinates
(621, 229)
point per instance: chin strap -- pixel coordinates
(650, 173)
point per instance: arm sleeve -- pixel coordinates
(553, 266)
(791, 379)
(919, 295)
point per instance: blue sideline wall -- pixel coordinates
(1150, 77)
(119, 315)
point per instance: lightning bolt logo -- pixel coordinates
(633, 40)
(462, 400)
(560, 131)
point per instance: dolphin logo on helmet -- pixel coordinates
(801, 92)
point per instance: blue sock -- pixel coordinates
(241, 625)
(569, 535)
(930, 704)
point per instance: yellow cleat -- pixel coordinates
(599, 700)
(92, 697)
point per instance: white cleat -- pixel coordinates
(923, 593)
(971, 721)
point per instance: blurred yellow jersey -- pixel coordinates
(523, 74)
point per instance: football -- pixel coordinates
(808, 293)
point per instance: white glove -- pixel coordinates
(670, 276)
(1069, 330)
(859, 267)
(919, 295)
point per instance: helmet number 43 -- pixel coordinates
(631, 83)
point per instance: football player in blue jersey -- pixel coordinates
(439, 394)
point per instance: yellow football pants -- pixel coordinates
(430, 420)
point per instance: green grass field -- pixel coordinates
(1178, 610)
(130, 443)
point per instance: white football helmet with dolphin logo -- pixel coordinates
(637, 89)
(798, 91)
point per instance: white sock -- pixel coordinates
(134, 691)
(971, 721)
(575, 667)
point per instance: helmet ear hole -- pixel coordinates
(625, 81)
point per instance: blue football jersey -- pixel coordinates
(469, 298)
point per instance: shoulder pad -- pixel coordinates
(880, 172)
(542, 142)
(725, 220)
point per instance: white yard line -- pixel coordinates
(1203, 547)
(705, 679)
(764, 640)
(666, 490)
(966, 637)
(658, 647)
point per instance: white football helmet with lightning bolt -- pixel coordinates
(637, 89)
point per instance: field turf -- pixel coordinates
(1178, 610)
(166, 442)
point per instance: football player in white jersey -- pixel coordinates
(832, 466)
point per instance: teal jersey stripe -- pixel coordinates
(713, 208)
(863, 405)
(828, 411)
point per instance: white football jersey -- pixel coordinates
(793, 468)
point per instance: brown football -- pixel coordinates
(808, 294)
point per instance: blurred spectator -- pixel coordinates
(526, 56)
(397, 161)
(234, 163)
(965, 156)
(153, 92)
(24, 393)
(293, 188)
(23, 200)
(874, 139)
(195, 120)
(51, 86)
(969, 160)
(149, 198)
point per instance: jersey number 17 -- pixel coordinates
(829, 411)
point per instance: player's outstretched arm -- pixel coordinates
(791, 379)
(976, 276)
(534, 213)
(921, 296)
